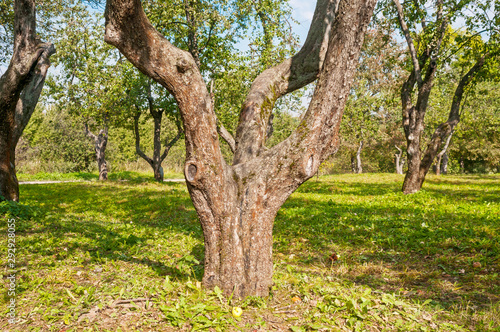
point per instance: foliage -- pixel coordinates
(45, 146)
(479, 150)
(18, 211)
(351, 253)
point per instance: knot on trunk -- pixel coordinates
(192, 172)
(309, 165)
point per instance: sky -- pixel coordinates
(303, 12)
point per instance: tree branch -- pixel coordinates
(290, 75)
(445, 129)
(169, 145)
(138, 140)
(31, 93)
(89, 133)
(409, 41)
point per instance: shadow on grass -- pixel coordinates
(428, 241)
(113, 221)
(434, 234)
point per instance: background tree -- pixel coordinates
(237, 203)
(20, 88)
(90, 79)
(143, 93)
(371, 102)
(427, 33)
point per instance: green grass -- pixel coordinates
(423, 262)
(82, 176)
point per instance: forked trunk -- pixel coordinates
(237, 203)
(158, 157)
(399, 160)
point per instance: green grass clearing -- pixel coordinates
(127, 255)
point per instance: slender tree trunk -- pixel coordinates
(353, 163)
(100, 148)
(158, 170)
(438, 165)
(444, 168)
(100, 143)
(237, 203)
(399, 160)
(359, 168)
(158, 157)
(20, 88)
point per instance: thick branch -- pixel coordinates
(445, 130)
(128, 28)
(31, 93)
(290, 75)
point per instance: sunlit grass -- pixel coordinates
(428, 261)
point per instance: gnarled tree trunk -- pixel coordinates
(414, 113)
(237, 203)
(20, 88)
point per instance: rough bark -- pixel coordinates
(20, 88)
(236, 204)
(100, 143)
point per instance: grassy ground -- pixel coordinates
(351, 253)
(81, 176)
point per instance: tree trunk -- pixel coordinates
(399, 160)
(437, 166)
(237, 203)
(359, 168)
(353, 163)
(20, 88)
(100, 143)
(100, 149)
(414, 114)
(444, 167)
(158, 157)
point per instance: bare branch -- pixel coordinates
(89, 133)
